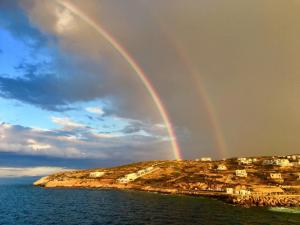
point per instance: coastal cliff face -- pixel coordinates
(246, 184)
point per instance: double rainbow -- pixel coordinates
(134, 65)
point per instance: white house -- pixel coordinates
(282, 162)
(276, 176)
(241, 173)
(205, 159)
(277, 162)
(268, 162)
(128, 177)
(293, 157)
(244, 192)
(96, 174)
(133, 176)
(241, 159)
(229, 190)
(244, 160)
(222, 167)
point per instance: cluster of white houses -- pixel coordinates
(246, 161)
(277, 162)
(133, 176)
(293, 157)
(290, 160)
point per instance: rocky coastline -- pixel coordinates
(190, 178)
(266, 200)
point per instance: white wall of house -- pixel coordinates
(275, 175)
(229, 190)
(133, 176)
(205, 159)
(96, 174)
(222, 167)
(241, 173)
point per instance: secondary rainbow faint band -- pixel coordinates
(134, 65)
(210, 111)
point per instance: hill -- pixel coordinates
(260, 181)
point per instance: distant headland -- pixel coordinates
(247, 181)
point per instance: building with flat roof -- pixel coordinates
(241, 173)
(96, 174)
(229, 190)
(275, 176)
(222, 167)
(205, 159)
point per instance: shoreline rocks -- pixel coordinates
(266, 200)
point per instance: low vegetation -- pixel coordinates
(196, 177)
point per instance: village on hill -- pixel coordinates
(249, 181)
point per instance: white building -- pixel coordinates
(277, 162)
(293, 157)
(96, 174)
(244, 192)
(241, 173)
(205, 159)
(246, 161)
(133, 176)
(282, 162)
(276, 176)
(229, 190)
(268, 162)
(222, 167)
(128, 177)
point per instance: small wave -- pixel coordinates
(285, 210)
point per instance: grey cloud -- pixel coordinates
(15, 19)
(244, 53)
(80, 144)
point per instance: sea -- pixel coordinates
(23, 204)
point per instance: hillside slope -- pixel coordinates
(212, 178)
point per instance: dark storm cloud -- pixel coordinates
(9, 159)
(79, 77)
(50, 91)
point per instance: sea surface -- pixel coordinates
(23, 204)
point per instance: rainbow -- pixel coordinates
(134, 65)
(210, 110)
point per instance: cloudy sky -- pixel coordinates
(227, 73)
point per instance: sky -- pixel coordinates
(225, 72)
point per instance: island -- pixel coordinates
(247, 181)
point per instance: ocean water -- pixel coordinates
(24, 204)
